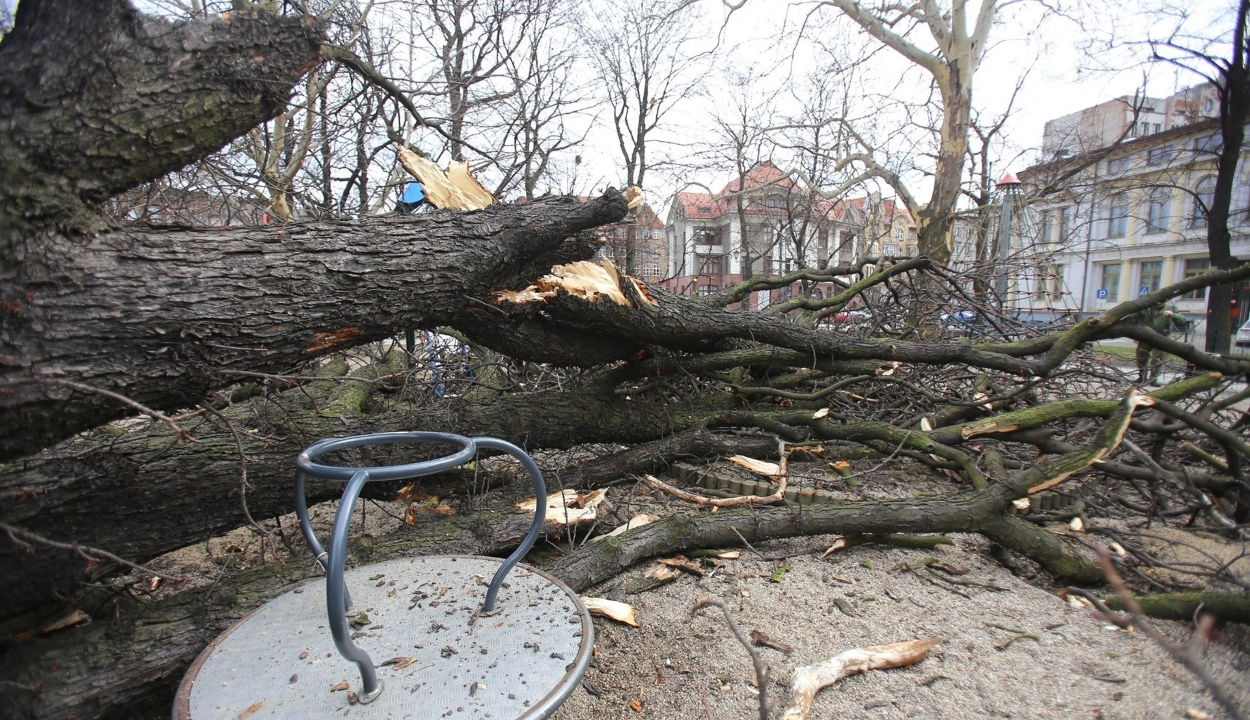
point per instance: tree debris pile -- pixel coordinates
(157, 384)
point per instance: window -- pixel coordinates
(1157, 211)
(1065, 224)
(891, 249)
(1209, 143)
(898, 233)
(1159, 155)
(711, 264)
(1056, 281)
(1151, 276)
(1043, 237)
(706, 236)
(1049, 282)
(1111, 281)
(1117, 217)
(1158, 127)
(1118, 165)
(1204, 196)
(1196, 266)
(707, 289)
(772, 202)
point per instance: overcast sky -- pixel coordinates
(1064, 59)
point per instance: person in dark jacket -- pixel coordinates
(1161, 318)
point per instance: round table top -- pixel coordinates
(437, 656)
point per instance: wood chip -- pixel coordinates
(248, 712)
(837, 545)
(759, 467)
(68, 620)
(636, 521)
(340, 687)
(400, 662)
(682, 563)
(823, 412)
(758, 637)
(618, 611)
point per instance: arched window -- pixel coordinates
(1204, 196)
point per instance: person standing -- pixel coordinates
(1162, 318)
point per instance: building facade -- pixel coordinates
(1127, 218)
(645, 232)
(766, 224)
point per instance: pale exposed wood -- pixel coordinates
(810, 679)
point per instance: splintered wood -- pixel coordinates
(567, 508)
(810, 679)
(582, 279)
(456, 189)
(618, 611)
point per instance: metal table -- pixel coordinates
(431, 637)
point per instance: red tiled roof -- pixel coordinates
(701, 206)
(889, 209)
(832, 209)
(762, 174)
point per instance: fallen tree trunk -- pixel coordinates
(143, 494)
(135, 650)
(174, 310)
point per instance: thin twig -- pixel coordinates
(761, 670)
(154, 414)
(265, 536)
(20, 537)
(1183, 655)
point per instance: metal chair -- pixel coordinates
(452, 644)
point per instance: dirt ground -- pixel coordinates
(1077, 667)
(1069, 664)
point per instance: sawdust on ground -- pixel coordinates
(1078, 666)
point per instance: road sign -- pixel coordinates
(1143, 290)
(1102, 293)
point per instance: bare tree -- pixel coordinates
(547, 102)
(646, 57)
(469, 44)
(1226, 66)
(947, 42)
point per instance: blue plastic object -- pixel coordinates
(414, 195)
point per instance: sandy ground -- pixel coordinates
(1079, 666)
(676, 666)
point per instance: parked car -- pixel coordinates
(853, 316)
(960, 323)
(1242, 339)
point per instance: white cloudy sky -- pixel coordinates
(1063, 58)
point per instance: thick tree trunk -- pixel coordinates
(172, 308)
(96, 98)
(144, 494)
